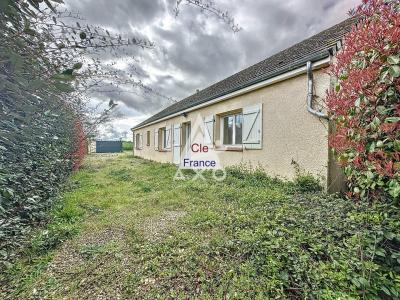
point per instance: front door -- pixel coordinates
(177, 144)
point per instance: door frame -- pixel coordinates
(186, 139)
(176, 147)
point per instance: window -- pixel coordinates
(148, 138)
(166, 138)
(156, 139)
(138, 141)
(232, 129)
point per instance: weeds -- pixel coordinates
(250, 236)
(121, 174)
(305, 182)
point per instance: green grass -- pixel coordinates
(126, 229)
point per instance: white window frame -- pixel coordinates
(164, 138)
(148, 138)
(138, 141)
(164, 144)
(156, 139)
(234, 129)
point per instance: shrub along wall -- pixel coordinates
(39, 144)
(35, 145)
(365, 105)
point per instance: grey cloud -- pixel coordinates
(111, 132)
(195, 49)
(135, 99)
(118, 13)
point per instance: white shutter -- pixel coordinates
(168, 137)
(156, 139)
(209, 131)
(252, 127)
(176, 143)
(141, 141)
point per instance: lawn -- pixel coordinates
(124, 228)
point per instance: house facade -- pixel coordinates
(269, 115)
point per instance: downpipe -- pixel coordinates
(310, 94)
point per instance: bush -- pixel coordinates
(307, 183)
(323, 248)
(35, 150)
(127, 146)
(243, 175)
(365, 102)
(39, 144)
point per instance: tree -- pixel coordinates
(365, 104)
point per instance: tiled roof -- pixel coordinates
(314, 48)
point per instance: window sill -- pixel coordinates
(230, 148)
(164, 150)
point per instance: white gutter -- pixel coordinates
(303, 70)
(310, 93)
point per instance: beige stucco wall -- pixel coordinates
(290, 133)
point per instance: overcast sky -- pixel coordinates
(195, 50)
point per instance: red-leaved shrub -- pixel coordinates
(365, 105)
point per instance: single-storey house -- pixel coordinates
(270, 114)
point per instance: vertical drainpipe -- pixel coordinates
(335, 179)
(319, 114)
(310, 93)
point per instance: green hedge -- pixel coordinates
(35, 145)
(127, 146)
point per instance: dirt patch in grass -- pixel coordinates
(155, 228)
(97, 161)
(73, 253)
(94, 265)
(88, 267)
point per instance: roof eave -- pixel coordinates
(315, 57)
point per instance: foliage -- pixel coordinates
(64, 222)
(305, 181)
(35, 144)
(80, 145)
(43, 118)
(365, 103)
(250, 236)
(50, 65)
(127, 146)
